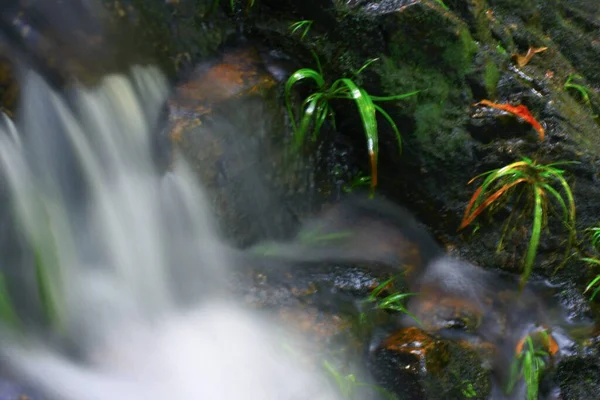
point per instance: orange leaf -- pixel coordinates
(520, 111)
(524, 60)
(466, 221)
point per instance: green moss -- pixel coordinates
(458, 55)
(491, 77)
(463, 377)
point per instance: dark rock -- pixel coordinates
(416, 365)
(579, 378)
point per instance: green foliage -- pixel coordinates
(583, 91)
(316, 108)
(529, 365)
(594, 234)
(596, 281)
(392, 302)
(534, 181)
(302, 26)
(348, 384)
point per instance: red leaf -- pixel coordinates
(520, 111)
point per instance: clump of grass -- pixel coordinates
(348, 385)
(316, 108)
(529, 365)
(391, 302)
(301, 26)
(535, 182)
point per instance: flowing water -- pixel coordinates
(118, 274)
(128, 258)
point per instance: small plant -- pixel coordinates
(596, 281)
(529, 365)
(348, 384)
(303, 26)
(392, 302)
(535, 183)
(316, 108)
(583, 91)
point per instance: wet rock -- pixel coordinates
(228, 123)
(416, 365)
(176, 34)
(579, 378)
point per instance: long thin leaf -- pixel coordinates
(536, 230)
(489, 201)
(395, 97)
(300, 75)
(366, 110)
(392, 124)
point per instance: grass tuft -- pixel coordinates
(301, 26)
(391, 302)
(316, 108)
(529, 365)
(535, 182)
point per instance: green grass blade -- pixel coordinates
(365, 65)
(591, 260)
(594, 282)
(396, 97)
(395, 298)
(366, 110)
(306, 24)
(300, 75)
(536, 231)
(379, 289)
(323, 111)
(561, 202)
(572, 219)
(392, 124)
(300, 133)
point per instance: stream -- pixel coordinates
(161, 240)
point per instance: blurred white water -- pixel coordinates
(131, 258)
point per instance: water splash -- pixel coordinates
(129, 262)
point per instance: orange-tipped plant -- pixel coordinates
(535, 181)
